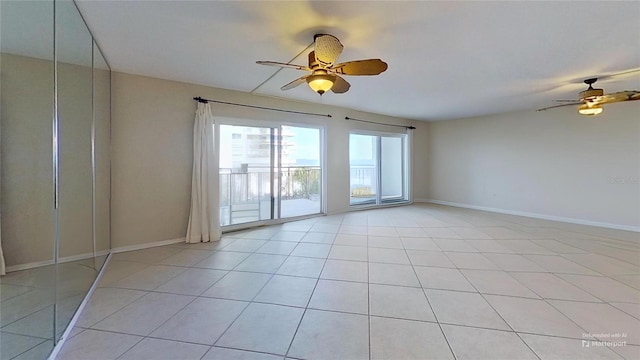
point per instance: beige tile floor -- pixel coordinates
(414, 282)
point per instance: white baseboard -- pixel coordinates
(28, 266)
(421, 201)
(65, 259)
(146, 245)
(82, 256)
(90, 255)
(533, 215)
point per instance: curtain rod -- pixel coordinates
(204, 101)
(379, 123)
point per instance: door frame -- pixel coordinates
(406, 167)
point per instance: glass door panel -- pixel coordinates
(246, 176)
(378, 165)
(301, 175)
(363, 162)
(391, 169)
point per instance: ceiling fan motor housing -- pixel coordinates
(590, 94)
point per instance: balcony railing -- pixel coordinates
(245, 193)
(364, 184)
(363, 180)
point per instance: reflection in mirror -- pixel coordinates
(54, 141)
(102, 179)
(74, 53)
(27, 223)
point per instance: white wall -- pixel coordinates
(152, 135)
(555, 163)
(420, 159)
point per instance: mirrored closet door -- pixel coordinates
(54, 171)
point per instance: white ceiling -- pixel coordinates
(446, 59)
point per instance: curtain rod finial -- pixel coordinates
(411, 127)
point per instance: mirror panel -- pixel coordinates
(55, 144)
(27, 223)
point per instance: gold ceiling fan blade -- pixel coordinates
(361, 67)
(561, 105)
(327, 49)
(628, 95)
(284, 65)
(340, 85)
(295, 83)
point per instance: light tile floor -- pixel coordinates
(27, 308)
(413, 282)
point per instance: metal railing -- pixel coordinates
(245, 193)
(363, 178)
(363, 184)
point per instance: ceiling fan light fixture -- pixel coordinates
(321, 83)
(590, 110)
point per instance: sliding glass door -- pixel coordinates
(246, 176)
(378, 168)
(301, 172)
(268, 173)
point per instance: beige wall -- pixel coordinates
(102, 118)
(75, 188)
(152, 135)
(555, 163)
(27, 170)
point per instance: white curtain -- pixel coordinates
(204, 218)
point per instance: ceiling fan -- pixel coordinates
(590, 101)
(325, 73)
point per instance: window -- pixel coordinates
(378, 168)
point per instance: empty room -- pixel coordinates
(339, 180)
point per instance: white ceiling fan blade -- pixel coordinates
(295, 83)
(562, 105)
(284, 65)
